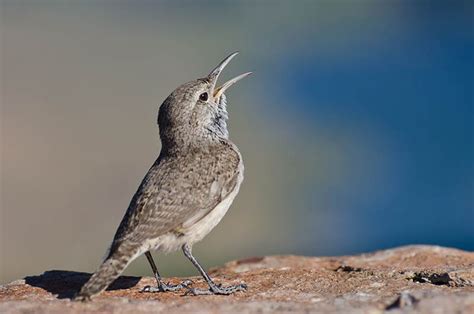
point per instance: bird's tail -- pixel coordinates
(108, 271)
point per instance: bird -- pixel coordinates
(185, 193)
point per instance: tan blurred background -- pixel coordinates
(81, 85)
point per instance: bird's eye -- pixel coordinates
(203, 97)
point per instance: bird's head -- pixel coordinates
(196, 111)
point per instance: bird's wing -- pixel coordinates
(176, 191)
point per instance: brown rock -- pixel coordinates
(418, 279)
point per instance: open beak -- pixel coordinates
(214, 75)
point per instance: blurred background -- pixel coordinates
(356, 128)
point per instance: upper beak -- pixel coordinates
(214, 75)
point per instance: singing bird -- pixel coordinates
(187, 190)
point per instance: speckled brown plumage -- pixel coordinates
(177, 189)
(186, 191)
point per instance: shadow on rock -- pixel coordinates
(65, 284)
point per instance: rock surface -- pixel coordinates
(418, 279)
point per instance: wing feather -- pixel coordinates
(179, 191)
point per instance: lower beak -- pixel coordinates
(221, 89)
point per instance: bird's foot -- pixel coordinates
(164, 287)
(217, 289)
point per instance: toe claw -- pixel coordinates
(187, 282)
(190, 291)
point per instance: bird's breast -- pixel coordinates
(201, 228)
(195, 232)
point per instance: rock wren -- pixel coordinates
(187, 190)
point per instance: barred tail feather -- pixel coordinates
(108, 271)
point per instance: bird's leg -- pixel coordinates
(160, 285)
(213, 287)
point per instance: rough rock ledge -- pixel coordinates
(412, 279)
